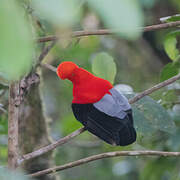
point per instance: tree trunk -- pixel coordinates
(13, 117)
(33, 133)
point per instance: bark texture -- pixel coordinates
(13, 117)
(33, 133)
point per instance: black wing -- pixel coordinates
(112, 130)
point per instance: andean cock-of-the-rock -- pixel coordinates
(103, 110)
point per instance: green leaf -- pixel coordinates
(174, 142)
(170, 18)
(125, 16)
(169, 70)
(141, 124)
(150, 116)
(170, 43)
(3, 125)
(58, 12)
(104, 66)
(167, 98)
(16, 45)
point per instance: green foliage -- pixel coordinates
(150, 116)
(142, 124)
(78, 52)
(148, 3)
(3, 155)
(155, 169)
(170, 43)
(3, 125)
(176, 3)
(170, 70)
(58, 12)
(6, 174)
(16, 44)
(173, 142)
(104, 66)
(122, 15)
(69, 124)
(167, 98)
(171, 18)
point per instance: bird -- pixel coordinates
(98, 106)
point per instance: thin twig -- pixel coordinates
(102, 156)
(52, 146)
(48, 66)
(109, 32)
(154, 88)
(161, 26)
(46, 50)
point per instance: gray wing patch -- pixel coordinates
(120, 99)
(113, 105)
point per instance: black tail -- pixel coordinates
(112, 130)
(127, 135)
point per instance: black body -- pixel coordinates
(112, 130)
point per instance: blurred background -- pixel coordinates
(141, 61)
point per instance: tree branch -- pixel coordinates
(13, 118)
(52, 146)
(48, 66)
(102, 156)
(109, 32)
(154, 88)
(46, 50)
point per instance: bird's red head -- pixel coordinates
(87, 88)
(65, 69)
